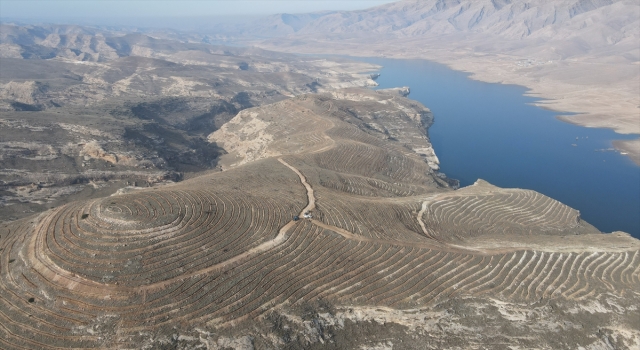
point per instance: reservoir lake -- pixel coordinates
(493, 132)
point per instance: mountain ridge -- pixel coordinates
(513, 20)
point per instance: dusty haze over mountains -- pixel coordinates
(161, 192)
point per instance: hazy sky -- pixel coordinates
(55, 10)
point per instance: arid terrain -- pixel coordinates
(163, 194)
(86, 112)
(581, 57)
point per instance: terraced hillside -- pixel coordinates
(329, 227)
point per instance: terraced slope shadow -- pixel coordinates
(319, 226)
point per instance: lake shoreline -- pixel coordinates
(498, 133)
(592, 105)
(629, 148)
(632, 147)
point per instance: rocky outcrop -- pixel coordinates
(27, 92)
(402, 91)
(93, 150)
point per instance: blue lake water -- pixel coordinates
(492, 132)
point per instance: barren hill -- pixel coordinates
(329, 227)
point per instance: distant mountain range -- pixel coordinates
(572, 27)
(567, 28)
(97, 44)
